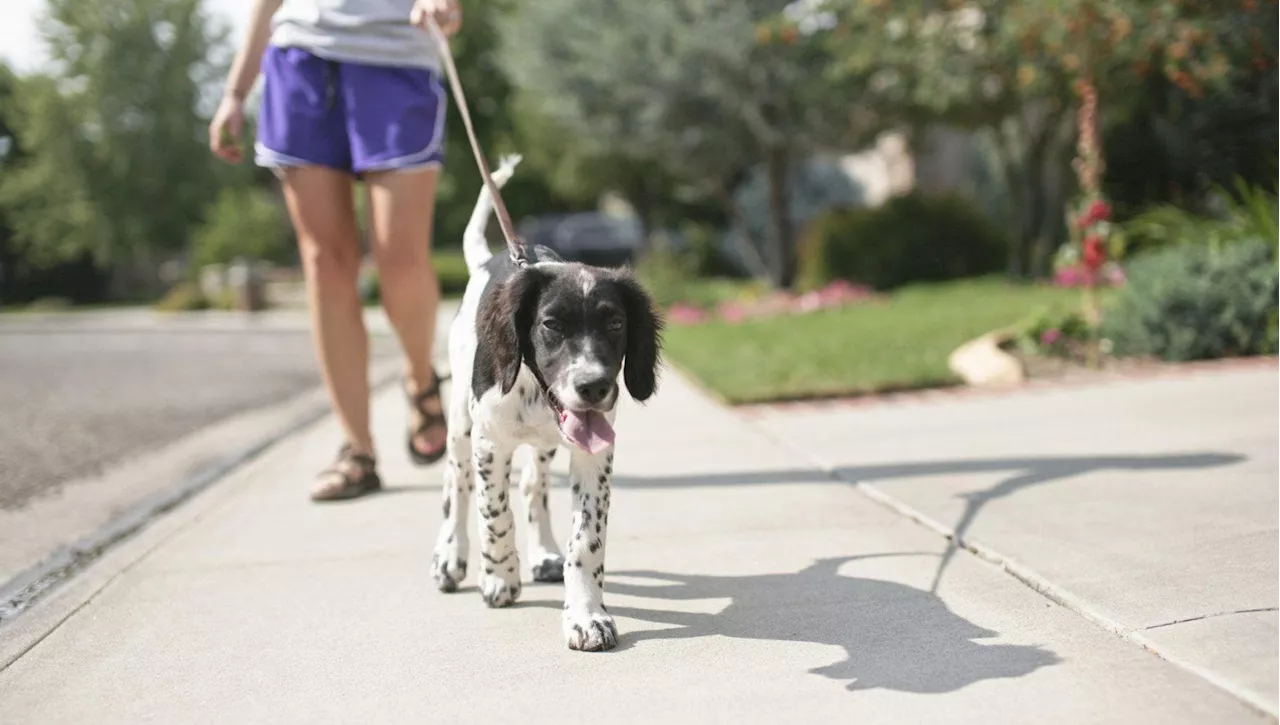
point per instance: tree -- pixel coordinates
(690, 85)
(490, 98)
(1007, 69)
(116, 164)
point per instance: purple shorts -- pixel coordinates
(348, 116)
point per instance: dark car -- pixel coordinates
(588, 237)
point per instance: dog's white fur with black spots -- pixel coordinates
(536, 354)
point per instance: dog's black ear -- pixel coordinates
(504, 320)
(644, 340)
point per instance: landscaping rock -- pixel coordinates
(982, 363)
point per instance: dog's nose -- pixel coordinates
(594, 391)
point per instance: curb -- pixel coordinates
(1158, 371)
(25, 589)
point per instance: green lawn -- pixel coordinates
(899, 343)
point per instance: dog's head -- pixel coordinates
(577, 327)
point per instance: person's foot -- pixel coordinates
(428, 430)
(351, 476)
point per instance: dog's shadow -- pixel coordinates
(894, 636)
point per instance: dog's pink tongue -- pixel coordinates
(589, 430)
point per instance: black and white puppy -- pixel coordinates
(536, 355)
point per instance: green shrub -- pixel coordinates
(912, 238)
(183, 297)
(704, 257)
(243, 222)
(1196, 302)
(665, 274)
(452, 270)
(1249, 214)
(1053, 332)
(49, 304)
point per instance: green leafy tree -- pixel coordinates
(490, 97)
(1010, 70)
(115, 161)
(243, 222)
(689, 85)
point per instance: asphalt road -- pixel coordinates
(79, 393)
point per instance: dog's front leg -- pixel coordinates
(547, 563)
(587, 625)
(500, 582)
(449, 564)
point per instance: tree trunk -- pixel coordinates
(782, 257)
(1015, 187)
(756, 264)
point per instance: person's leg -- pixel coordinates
(401, 209)
(321, 206)
(395, 126)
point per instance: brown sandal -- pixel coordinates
(339, 485)
(428, 421)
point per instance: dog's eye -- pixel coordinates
(615, 325)
(553, 325)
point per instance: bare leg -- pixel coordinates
(402, 207)
(323, 214)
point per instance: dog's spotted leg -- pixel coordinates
(500, 582)
(587, 625)
(449, 564)
(548, 564)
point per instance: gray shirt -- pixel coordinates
(375, 32)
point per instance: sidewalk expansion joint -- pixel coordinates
(1211, 615)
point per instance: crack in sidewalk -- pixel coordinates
(1211, 615)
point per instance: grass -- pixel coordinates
(897, 344)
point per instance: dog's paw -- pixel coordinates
(548, 568)
(498, 590)
(448, 570)
(588, 631)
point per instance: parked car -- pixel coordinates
(588, 237)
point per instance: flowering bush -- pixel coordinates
(1062, 336)
(836, 294)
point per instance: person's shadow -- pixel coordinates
(894, 636)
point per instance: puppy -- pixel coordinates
(536, 354)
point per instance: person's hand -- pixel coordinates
(446, 13)
(224, 130)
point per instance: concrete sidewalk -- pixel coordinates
(749, 586)
(1150, 507)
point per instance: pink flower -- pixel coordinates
(1113, 275)
(732, 312)
(1050, 337)
(1069, 277)
(682, 314)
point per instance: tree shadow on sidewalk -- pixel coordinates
(894, 636)
(1028, 472)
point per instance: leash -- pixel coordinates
(515, 245)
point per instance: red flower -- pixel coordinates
(1094, 255)
(1098, 211)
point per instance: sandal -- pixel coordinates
(337, 483)
(428, 421)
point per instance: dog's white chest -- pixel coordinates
(523, 416)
